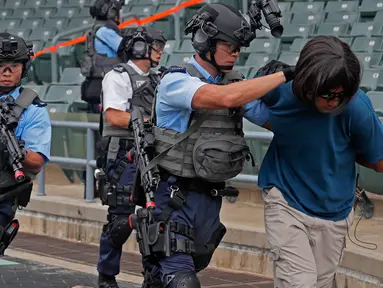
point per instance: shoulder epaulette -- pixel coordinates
(38, 102)
(119, 68)
(173, 69)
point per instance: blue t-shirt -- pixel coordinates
(34, 127)
(110, 37)
(174, 97)
(311, 158)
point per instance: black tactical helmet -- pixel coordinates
(218, 22)
(154, 35)
(15, 49)
(106, 9)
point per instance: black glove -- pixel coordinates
(275, 66)
(161, 70)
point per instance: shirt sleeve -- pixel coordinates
(257, 112)
(37, 132)
(176, 90)
(110, 37)
(367, 129)
(117, 90)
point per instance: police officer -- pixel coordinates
(190, 105)
(101, 49)
(33, 130)
(128, 85)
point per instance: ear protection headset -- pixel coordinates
(139, 44)
(201, 39)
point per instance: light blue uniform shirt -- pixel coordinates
(174, 97)
(34, 127)
(110, 37)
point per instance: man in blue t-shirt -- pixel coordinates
(322, 125)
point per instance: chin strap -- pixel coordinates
(8, 89)
(153, 63)
(219, 68)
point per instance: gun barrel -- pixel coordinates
(15, 154)
(141, 153)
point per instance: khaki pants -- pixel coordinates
(305, 251)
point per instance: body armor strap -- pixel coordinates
(26, 98)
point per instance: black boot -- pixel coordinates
(106, 281)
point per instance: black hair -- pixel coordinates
(325, 63)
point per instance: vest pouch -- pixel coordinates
(217, 158)
(91, 90)
(86, 64)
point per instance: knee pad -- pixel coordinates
(120, 230)
(182, 279)
(7, 234)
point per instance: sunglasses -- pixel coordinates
(158, 46)
(12, 67)
(230, 48)
(332, 95)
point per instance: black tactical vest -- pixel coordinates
(214, 148)
(95, 65)
(27, 97)
(143, 95)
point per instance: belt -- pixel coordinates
(215, 189)
(192, 183)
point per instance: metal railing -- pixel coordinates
(90, 163)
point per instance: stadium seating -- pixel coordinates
(359, 23)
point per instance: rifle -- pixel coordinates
(145, 183)
(8, 123)
(142, 153)
(15, 155)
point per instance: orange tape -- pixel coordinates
(129, 22)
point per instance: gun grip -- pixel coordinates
(138, 194)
